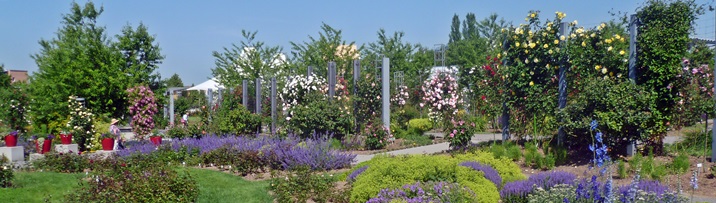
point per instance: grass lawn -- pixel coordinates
(217, 186)
(213, 187)
(36, 186)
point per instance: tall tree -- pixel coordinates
(469, 27)
(455, 34)
(78, 61)
(393, 47)
(141, 55)
(329, 46)
(490, 28)
(174, 81)
(249, 60)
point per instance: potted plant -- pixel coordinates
(11, 139)
(65, 137)
(107, 141)
(156, 138)
(43, 142)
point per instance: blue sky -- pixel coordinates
(188, 31)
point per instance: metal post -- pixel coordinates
(713, 130)
(356, 77)
(258, 102)
(209, 98)
(310, 71)
(505, 123)
(331, 80)
(245, 94)
(273, 106)
(631, 147)
(562, 101)
(219, 96)
(386, 92)
(171, 106)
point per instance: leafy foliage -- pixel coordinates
(248, 60)
(6, 173)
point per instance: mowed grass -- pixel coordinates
(217, 186)
(214, 186)
(37, 186)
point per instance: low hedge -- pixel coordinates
(391, 172)
(420, 125)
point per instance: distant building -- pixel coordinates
(17, 75)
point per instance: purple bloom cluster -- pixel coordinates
(424, 192)
(649, 186)
(289, 153)
(490, 173)
(352, 177)
(545, 180)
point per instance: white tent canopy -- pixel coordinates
(205, 86)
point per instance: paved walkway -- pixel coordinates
(440, 147)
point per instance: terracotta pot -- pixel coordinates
(46, 146)
(108, 144)
(66, 139)
(11, 140)
(156, 140)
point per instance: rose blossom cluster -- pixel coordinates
(401, 96)
(144, 106)
(441, 96)
(297, 88)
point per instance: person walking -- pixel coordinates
(185, 119)
(114, 130)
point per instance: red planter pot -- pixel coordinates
(10, 140)
(107, 144)
(156, 140)
(46, 146)
(66, 139)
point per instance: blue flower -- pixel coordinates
(593, 125)
(598, 137)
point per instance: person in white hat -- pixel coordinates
(114, 130)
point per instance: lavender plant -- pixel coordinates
(426, 192)
(490, 173)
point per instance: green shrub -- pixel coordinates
(63, 163)
(694, 144)
(480, 123)
(475, 180)
(549, 162)
(139, 180)
(6, 173)
(508, 170)
(321, 117)
(242, 162)
(376, 135)
(178, 132)
(498, 151)
(417, 140)
(621, 169)
(420, 125)
(301, 185)
(530, 154)
(539, 161)
(390, 172)
(238, 121)
(680, 164)
(648, 166)
(659, 172)
(635, 163)
(514, 152)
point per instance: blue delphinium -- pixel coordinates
(694, 181)
(599, 149)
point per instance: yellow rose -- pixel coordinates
(562, 38)
(532, 83)
(556, 41)
(604, 70)
(622, 52)
(545, 46)
(584, 44)
(597, 67)
(609, 48)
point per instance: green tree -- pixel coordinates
(78, 61)
(141, 55)
(455, 34)
(400, 53)
(248, 60)
(490, 28)
(660, 57)
(4, 78)
(469, 27)
(317, 52)
(174, 81)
